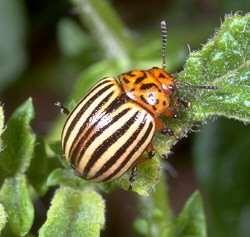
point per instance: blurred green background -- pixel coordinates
(45, 46)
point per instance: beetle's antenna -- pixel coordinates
(164, 42)
(205, 87)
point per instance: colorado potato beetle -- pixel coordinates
(112, 126)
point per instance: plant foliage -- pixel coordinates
(30, 166)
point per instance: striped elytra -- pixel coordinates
(111, 127)
(107, 132)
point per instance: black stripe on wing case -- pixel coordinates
(83, 126)
(108, 142)
(121, 151)
(79, 114)
(80, 149)
(89, 92)
(140, 143)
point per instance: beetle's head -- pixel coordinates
(166, 80)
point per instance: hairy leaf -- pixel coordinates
(147, 176)
(41, 165)
(14, 195)
(191, 221)
(65, 177)
(74, 213)
(18, 142)
(223, 62)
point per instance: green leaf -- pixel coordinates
(65, 177)
(147, 177)
(1, 126)
(3, 217)
(222, 166)
(191, 221)
(15, 197)
(155, 215)
(13, 58)
(18, 142)
(107, 28)
(41, 166)
(223, 62)
(74, 213)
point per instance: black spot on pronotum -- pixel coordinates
(125, 80)
(143, 99)
(148, 86)
(130, 73)
(140, 79)
(161, 75)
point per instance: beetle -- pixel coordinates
(110, 128)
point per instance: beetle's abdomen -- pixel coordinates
(106, 133)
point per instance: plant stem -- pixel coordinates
(107, 28)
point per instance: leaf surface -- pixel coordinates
(74, 213)
(191, 221)
(15, 197)
(18, 142)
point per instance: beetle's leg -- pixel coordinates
(171, 113)
(62, 108)
(132, 177)
(160, 126)
(184, 102)
(167, 132)
(151, 150)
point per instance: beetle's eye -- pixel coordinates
(171, 88)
